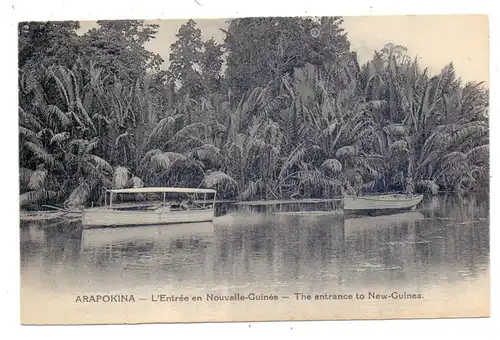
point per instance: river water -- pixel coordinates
(438, 254)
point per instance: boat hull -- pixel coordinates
(381, 204)
(98, 218)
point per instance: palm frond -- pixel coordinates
(120, 177)
(100, 117)
(36, 197)
(432, 158)
(185, 172)
(455, 157)
(295, 158)
(377, 162)
(470, 131)
(37, 179)
(253, 189)
(399, 146)
(34, 86)
(24, 176)
(196, 131)
(346, 151)
(175, 156)
(160, 161)
(79, 195)
(29, 120)
(428, 186)
(136, 182)
(395, 130)
(60, 137)
(208, 152)
(54, 114)
(220, 181)
(446, 76)
(274, 104)
(28, 135)
(330, 129)
(479, 154)
(40, 152)
(57, 73)
(332, 165)
(122, 138)
(85, 115)
(376, 105)
(78, 144)
(316, 178)
(43, 133)
(146, 159)
(101, 163)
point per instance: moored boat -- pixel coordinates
(167, 211)
(380, 204)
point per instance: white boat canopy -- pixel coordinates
(162, 190)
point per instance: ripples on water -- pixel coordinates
(445, 241)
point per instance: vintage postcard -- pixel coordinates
(254, 169)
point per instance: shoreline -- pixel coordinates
(43, 215)
(56, 215)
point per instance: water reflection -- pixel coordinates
(445, 242)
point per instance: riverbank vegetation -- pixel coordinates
(280, 109)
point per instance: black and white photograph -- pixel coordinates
(254, 169)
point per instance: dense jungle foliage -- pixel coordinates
(281, 108)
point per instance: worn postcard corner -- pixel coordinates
(254, 169)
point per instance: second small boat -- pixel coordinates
(380, 204)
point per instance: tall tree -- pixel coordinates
(211, 64)
(327, 41)
(118, 47)
(185, 60)
(262, 49)
(48, 42)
